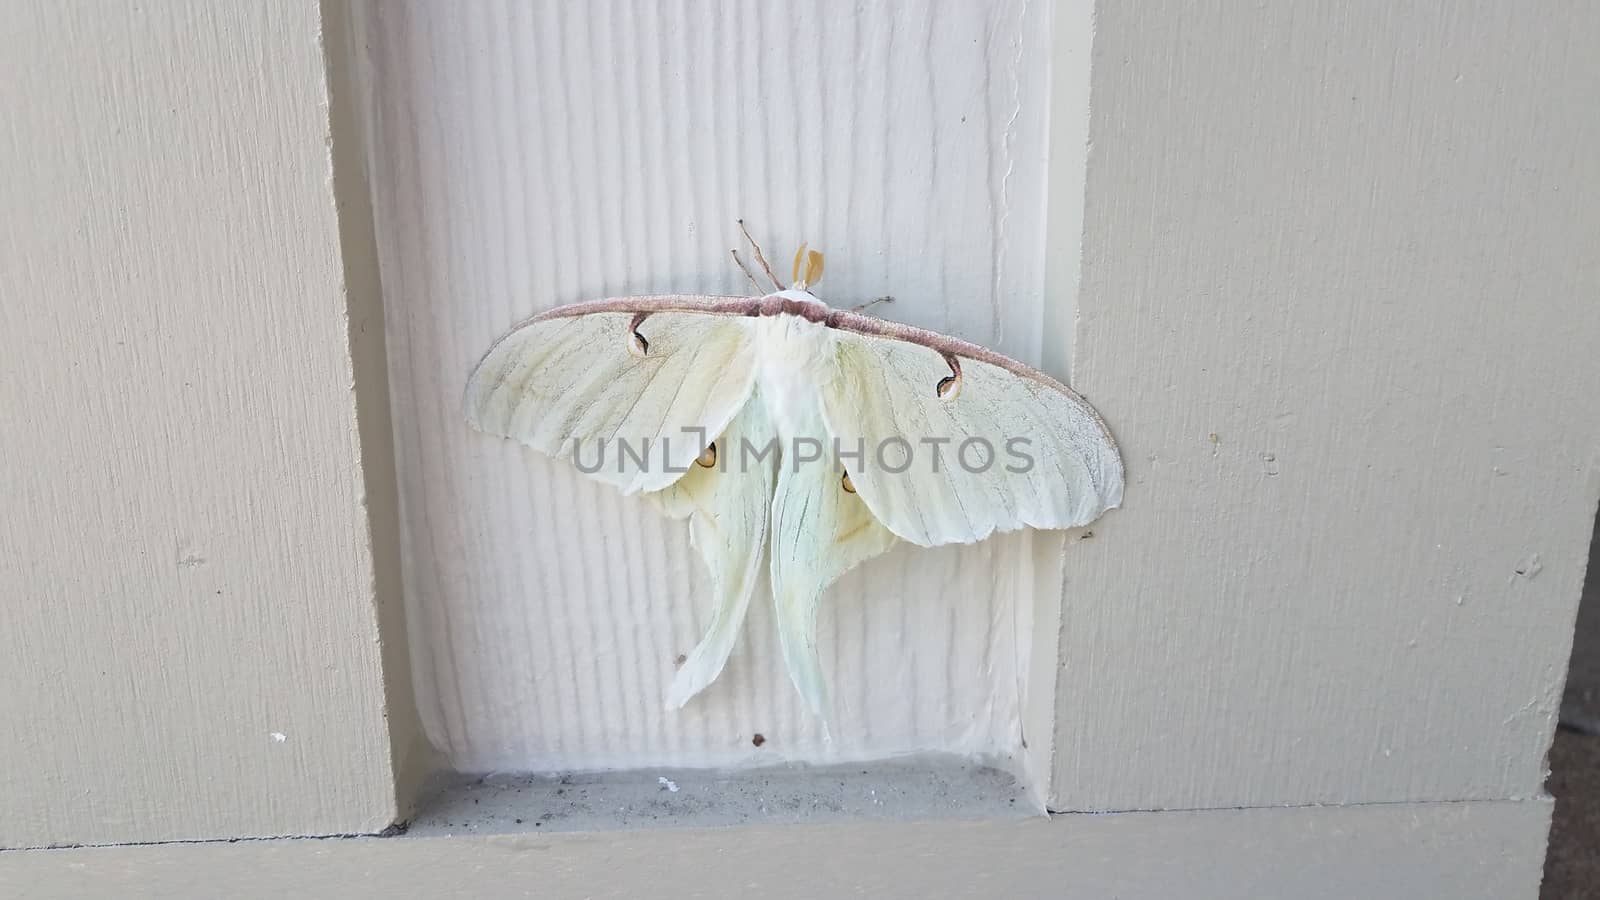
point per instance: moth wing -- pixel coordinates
(570, 384)
(1002, 451)
(819, 532)
(727, 505)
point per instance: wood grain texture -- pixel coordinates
(526, 155)
(1340, 303)
(1464, 851)
(188, 638)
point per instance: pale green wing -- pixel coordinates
(820, 531)
(635, 418)
(727, 503)
(999, 448)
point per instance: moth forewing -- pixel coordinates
(589, 382)
(965, 478)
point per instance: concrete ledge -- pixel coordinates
(924, 788)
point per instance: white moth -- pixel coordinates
(777, 423)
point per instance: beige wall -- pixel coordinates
(1341, 307)
(189, 630)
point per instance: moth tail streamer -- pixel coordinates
(706, 661)
(797, 636)
(727, 512)
(820, 530)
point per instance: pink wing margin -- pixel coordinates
(709, 304)
(822, 314)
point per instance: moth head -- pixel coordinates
(807, 268)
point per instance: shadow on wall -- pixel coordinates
(1572, 863)
(1580, 704)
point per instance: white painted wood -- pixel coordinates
(189, 640)
(1463, 851)
(1340, 306)
(1070, 56)
(531, 154)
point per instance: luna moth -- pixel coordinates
(781, 427)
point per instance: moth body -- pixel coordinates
(790, 352)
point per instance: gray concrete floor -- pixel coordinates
(1572, 865)
(926, 787)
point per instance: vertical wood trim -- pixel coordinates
(1339, 305)
(190, 576)
(412, 758)
(1072, 34)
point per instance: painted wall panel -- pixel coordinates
(527, 155)
(1340, 303)
(189, 644)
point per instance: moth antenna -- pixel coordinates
(794, 279)
(813, 268)
(760, 257)
(746, 270)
